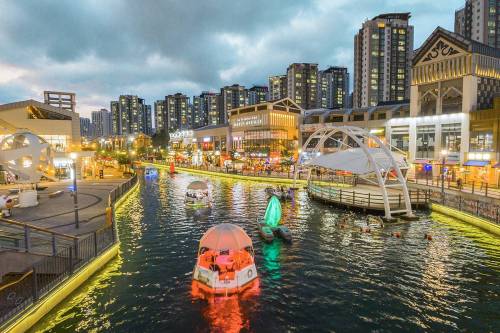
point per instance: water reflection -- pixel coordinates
(226, 313)
(328, 279)
(271, 255)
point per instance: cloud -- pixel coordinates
(101, 49)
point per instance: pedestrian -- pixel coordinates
(459, 183)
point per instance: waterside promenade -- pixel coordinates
(44, 256)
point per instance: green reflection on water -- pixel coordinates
(271, 254)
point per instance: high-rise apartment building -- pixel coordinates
(278, 87)
(87, 129)
(302, 84)
(147, 120)
(212, 110)
(102, 121)
(178, 112)
(479, 20)
(383, 50)
(232, 97)
(61, 100)
(257, 95)
(333, 88)
(197, 115)
(130, 115)
(460, 21)
(161, 119)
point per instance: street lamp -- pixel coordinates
(75, 190)
(444, 153)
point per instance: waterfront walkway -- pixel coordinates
(57, 213)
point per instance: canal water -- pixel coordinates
(328, 279)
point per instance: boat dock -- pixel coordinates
(366, 197)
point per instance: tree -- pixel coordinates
(161, 139)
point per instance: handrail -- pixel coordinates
(22, 224)
(25, 275)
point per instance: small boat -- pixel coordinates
(265, 232)
(284, 233)
(150, 172)
(225, 263)
(272, 219)
(280, 192)
(197, 194)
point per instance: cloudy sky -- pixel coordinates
(103, 48)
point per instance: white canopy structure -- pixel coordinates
(356, 161)
(362, 153)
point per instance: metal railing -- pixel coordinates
(473, 187)
(485, 208)
(365, 199)
(25, 237)
(18, 291)
(117, 193)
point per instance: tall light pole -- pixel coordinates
(75, 191)
(444, 152)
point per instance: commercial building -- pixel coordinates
(267, 130)
(278, 87)
(302, 84)
(130, 115)
(178, 112)
(211, 144)
(61, 100)
(59, 127)
(333, 88)
(452, 115)
(232, 97)
(383, 49)
(257, 95)
(479, 20)
(103, 123)
(161, 119)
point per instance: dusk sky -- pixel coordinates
(101, 49)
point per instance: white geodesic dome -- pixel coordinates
(26, 155)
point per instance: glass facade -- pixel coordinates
(451, 139)
(426, 141)
(400, 138)
(481, 140)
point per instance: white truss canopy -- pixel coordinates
(356, 161)
(363, 154)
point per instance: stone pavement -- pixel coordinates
(57, 213)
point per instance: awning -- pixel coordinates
(421, 162)
(354, 160)
(476, 163)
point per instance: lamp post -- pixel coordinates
(444, 152)
(75, 191)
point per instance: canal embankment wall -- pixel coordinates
(77, 267)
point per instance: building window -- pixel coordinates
(451, 138)
(481, 140)
(400, 138)
(426, 139)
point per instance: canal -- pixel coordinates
(328, 279)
